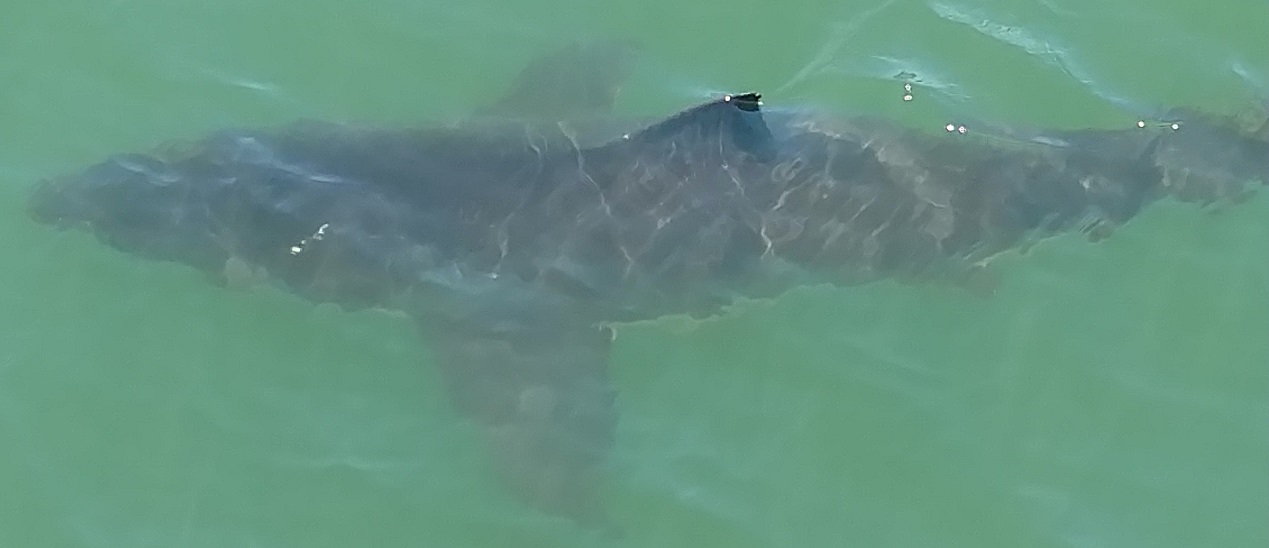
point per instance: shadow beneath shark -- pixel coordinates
(515, 242)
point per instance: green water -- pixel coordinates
(1114, 394)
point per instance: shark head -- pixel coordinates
(136, 203)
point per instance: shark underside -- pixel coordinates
(514, 243)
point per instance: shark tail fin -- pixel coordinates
(1209, 158)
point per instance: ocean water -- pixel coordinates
(1112, 394)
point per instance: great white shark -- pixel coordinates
(517, 237)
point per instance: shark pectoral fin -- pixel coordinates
(577, 81)
(540, 390)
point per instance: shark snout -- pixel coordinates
(124, 190)
(50, 204)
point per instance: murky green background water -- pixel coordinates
(1114, 394)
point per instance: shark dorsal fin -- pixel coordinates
(749, 102)
(734, 119)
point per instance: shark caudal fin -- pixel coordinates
(1209, 158)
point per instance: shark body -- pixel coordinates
(514, 245)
